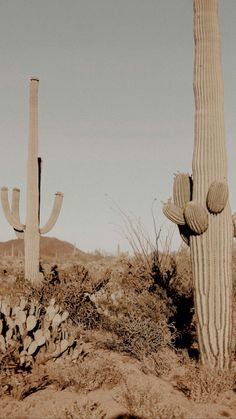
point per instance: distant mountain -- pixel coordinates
(50, 247)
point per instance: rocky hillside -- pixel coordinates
(50, 247)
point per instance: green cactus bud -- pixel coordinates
(26, 342)
(31, 322)
(196, 217)
(174, 213)
(46, 322)
(32, 309)
(38, 311)
(23, 303)
(52, 302)
(182, 189)
(71, 340)
(41, 341)
(32, 348)
(57, 308)
(64, 345)
(22, 359)
(217, 197)
(75, 354)
(51, 347)
(56, 320)
(10, 322)
(29, 361)
(51, 312)
(64, 316)
(20, 317)
(21, 329)
(39, 337)
(47, 334)
(6, 309)
(9, 334)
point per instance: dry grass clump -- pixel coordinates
(143, 402)
(120, 299)
(160, 363)
(172, 274)
(88, 410)
(181, 281)
(82, 377)
(71, 293)
(139, 336)
(203, 385)
(23, 383)
(138, 318)
(87, 375)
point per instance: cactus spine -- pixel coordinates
(211, 248)
(31, 231)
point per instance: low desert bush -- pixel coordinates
(88, 410)
(23, 383)
(160, 363)
(87, 375)
(139, 319)
(143, 402)
(202, 384)
(72, 294)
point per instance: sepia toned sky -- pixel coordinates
(116, 108)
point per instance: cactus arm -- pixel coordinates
(54, 214)
(15, 210)
(7, 211)
(15, 204)
(173, 213)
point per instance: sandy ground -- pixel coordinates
(52, 403)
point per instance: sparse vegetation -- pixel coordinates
(120, 313)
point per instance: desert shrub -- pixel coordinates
(172, 273)
(144, 304)
(140, 337)
(160, 363)
(202, 384)
(72, 294)
(145, 403)
(87, 410)
(21, 384)
(87, 375)
(138, 319)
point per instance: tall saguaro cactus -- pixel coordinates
(31, 231)
(201, 207)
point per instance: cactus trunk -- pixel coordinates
(32, 235)
(211, 252)
(31, 231)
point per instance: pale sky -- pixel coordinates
(116, 108)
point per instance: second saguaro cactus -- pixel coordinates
(206, 221)
(31, 230)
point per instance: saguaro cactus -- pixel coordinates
(31, 231)
(208, 225)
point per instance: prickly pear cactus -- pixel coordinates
(208, 227)
(38, 333)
